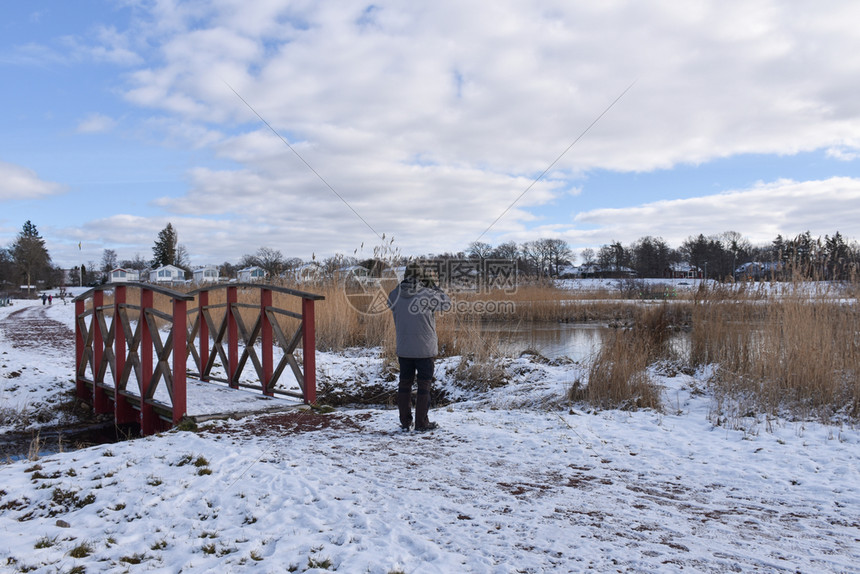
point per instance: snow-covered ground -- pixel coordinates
(516, 480)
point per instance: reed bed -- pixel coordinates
(618, 376)
(796, 353)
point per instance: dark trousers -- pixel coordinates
(409, 368)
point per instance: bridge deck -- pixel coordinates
(210, 400)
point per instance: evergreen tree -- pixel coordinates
(164, 250)
(651, 256)
(30, 256)
(6, 267)
(837, 254)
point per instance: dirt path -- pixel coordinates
(31, 328)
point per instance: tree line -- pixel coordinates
(26, 261)
(717, 256)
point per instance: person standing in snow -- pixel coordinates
(44, 298)
(414, 303)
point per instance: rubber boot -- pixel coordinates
(422, 407)
(404, 404)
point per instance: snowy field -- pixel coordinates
(515, 481)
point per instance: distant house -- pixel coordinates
(207, 274)
(593, 270)
(251, 274)
(757, 270)
(682, 271)
(167, 274)
(121, 275)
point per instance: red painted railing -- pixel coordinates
(111, 345)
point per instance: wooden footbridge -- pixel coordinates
(156, 356)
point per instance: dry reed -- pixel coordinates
(796, 352)
(618, 377)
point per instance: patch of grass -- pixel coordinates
(186, 459)
(323, 563)
(135, 558)
(209, 548)
(82, 550)
(38, 475)
(154, 481)
(256, 556)
(187, 425)
(160, 545)
(70, 498)
(45, 542)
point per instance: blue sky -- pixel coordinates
(428, 119)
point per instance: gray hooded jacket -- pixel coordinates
(413, 306)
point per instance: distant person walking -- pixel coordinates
(50, 299)
(44, 298)
(414, 303)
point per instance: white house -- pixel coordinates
(250, 274)
(207, 274)
(167, 274)
(121, 275)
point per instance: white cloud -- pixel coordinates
(430, 118)
(761, 213)
(18, 182)
(96, 123)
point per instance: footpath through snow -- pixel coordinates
(499, 489)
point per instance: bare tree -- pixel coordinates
(558, 253)
(138, 263)
(109, 260)
(587, 255)
(270, 260)
(508, 250)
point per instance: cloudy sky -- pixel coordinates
(424, 121)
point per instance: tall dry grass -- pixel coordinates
(618, 375)
(797, 352)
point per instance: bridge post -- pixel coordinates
(147, 413)
(267, 341)
(101, 402)
(309, 351)
(203, 340)
(232, 339)
(123, 411)
(180, 359)
(80, 386)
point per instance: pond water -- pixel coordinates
(19, 446)
(577, 341)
